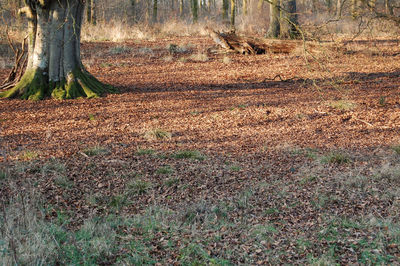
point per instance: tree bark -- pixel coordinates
(54, 65)
(339, 9)
(274, 23)
(225, 6)
(155, 11)
(195, 10)
(233, 14)
(289, 21)
(389, 7)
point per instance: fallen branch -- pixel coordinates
(248, 45)
(20, 61)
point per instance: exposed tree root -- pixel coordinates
(34, 85)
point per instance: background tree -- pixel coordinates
(274, 19)
(289, 20)
(54, 65)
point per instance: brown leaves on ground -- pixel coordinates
(292, 170)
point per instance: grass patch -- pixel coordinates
(157, 134)
(63, 182)
(176, 49)
(137, 187)
(342, 105)
(96, 150)
(146, 51)
(226, 60)
(336, 158)
(145, 152)
(189, 154)
(120, 50)
(28, 156)
(235, 168)
(165, 170)
(171, 181)
(4, 174)
(396, 149)
(199, 57)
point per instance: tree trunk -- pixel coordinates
(195, 10)
(181, 8)
(225, 6)
(54, 65)
(389, 7)
(245, 8)
(155, 11)
(289, 22)
(133, 6)
(93, 19)
(233, 15)
(354, 9)
(274, 23)
(339, 9)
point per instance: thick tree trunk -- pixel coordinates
(54, 65)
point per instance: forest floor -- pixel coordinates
(207, 157)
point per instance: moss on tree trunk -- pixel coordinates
(54, 65)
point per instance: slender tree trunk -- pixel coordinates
(155, 11)
(274, 23)
(133, 6)
(329, 5)
(181, 8)
(260, 6)
(233, 14)
(195, 10)
(339, 8)
(314, 7)
(371, 5)
(54, 65)
(89, 11)
(225, 6)
(354, 9)
(389, 7)
(94, 13)
(245, 7)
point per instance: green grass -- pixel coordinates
(4, 174)
(145, 152)
(235, 168)
(120, 50)
(336, 158)
(96, 150)
(396, 149)
(165, 170)
(137, 187)
(63, 182)
(189, 154)
(28, 155)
